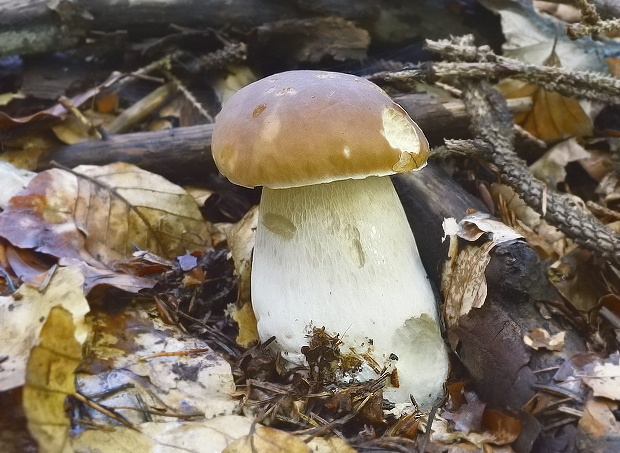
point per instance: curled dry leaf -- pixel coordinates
(241, 242)
(547, 240)
(539, 338)
(49, 381)
(98, 215)
(463, 280)
(23, 314)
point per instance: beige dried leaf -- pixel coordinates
(98, 214)
(50, 380)
(464, 286)
(268, 440)
(604, 379)
(541, 339)
(551, 166)
(171, 435)
(22, 316)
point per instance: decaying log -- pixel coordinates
(183, 154)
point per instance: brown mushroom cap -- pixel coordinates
(299, 128)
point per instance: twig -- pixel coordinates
(141, 109)
(480, 63)
(231, 53)
(576, 31)
(588, 12)
(188, 95)
(104, 410)
(560, 211)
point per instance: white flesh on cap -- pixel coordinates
(342, 255)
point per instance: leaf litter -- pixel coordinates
(151, 362)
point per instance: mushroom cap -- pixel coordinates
(299, 128)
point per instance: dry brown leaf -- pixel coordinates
(22, 316)
(539, 338)
(268, 440)
(329, 445)
(599, 428)
(71, 131)
(466, 288)
(505, 429)
(241, 242)
(57, 111)
(468, 417)
(98, 214)
(463, 280)
(49, 381)
(552, 117)
(537, 231)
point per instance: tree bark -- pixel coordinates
(35, 26)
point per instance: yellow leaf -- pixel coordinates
(50, 380)
(22, 316)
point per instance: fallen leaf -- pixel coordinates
(474, 226)
(49, 381)
(329, 445)
(268, 440)
(538, 233)
(531, 37)
(541, 339)
(246, 320)
(241, 242)
(13, 180)
(505, 429)
(134, 360)
(463, 279)
(188, 436)
(99, 214)
(604, 378)
(466, 287)
(551, 167)
(599, 430)
(552, 116)
(57, 111)
(23, 317)
(468, 417)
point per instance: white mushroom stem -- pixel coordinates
(342, 255)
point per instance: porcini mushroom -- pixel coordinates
(333, 246)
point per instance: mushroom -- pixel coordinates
(333, 246)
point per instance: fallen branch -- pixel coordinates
(488, 66)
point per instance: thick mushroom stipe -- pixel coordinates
(342, 255)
